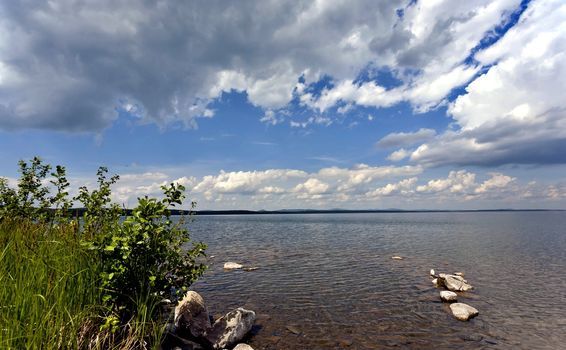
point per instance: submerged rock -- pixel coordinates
(191, 316)
(243, 346)
(230, 329)
(448, 296)
(293, 329)
(249, 269)
(396, 257)
(463, 312)
(232, 265)
(454, 283)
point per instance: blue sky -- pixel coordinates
(338, 104)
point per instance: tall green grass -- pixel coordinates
(50, 296)
(48, 292)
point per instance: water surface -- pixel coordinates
(327, 281)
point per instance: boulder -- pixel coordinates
(191, 316)
(463, 312)
(454, 283)
(435, 282)
(461, 274)
(243, 346)
(448, 296)
(232, 265)
(432, 272)
(230, 329)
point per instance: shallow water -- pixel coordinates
(327, 281)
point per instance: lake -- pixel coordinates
(327, 281)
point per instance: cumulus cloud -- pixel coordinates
(515, 112)
(312, 186)
(244, 181)
(456, 182)
(497, 181)
(401, 139)
(399, 155)
(359, 187)
(69, 65)
(426, 49)
(404, 186)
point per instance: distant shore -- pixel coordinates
(80, 211)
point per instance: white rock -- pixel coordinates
(461, 274)
(396, 257)
(243, 346)
(432, 272)
(463, 312)
(230, 329)
(232, 265)
(454, 283)
(191, 315)
(446, 295)
(435, 282)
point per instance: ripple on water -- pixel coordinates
(331, 278)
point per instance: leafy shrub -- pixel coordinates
(139, 258)
(144, 256)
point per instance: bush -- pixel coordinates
(100, 276)
(144, 255)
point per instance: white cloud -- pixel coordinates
(497, 181)
(406, 139)
(399, 155)
(244, 181)
(426, 49)
(456, 182)
(516, 111)
(359, 187)
(312, 186)
(271, 190)
(68, 66)
(404, 186)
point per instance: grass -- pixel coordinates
(50, 296)
(47, 286)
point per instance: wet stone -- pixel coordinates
(293, 329)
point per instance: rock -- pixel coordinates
(448, 296)
(454, 283)
(463, 312)
(232, 265)
(191, 316)
(248, 269)
(432, 272)
(243, 346)
(435, 282)
(461, 274)
(293, 329)
(230, 329)
(396, 257)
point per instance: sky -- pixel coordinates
(293, 104)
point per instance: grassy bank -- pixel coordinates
(48, 288)
(89, 283)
